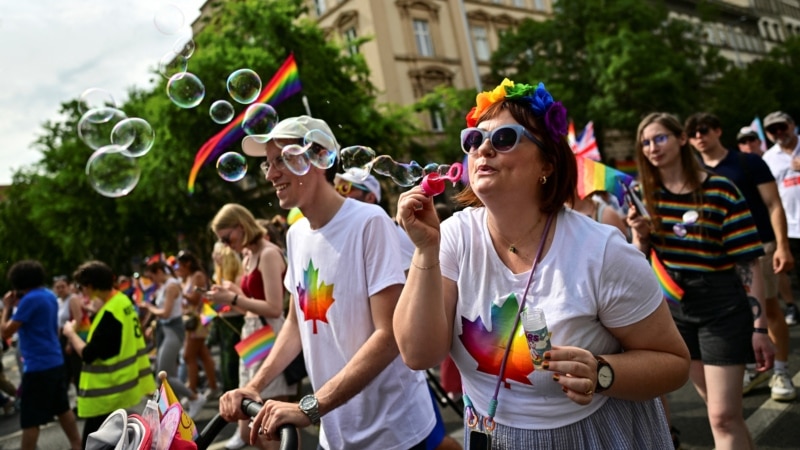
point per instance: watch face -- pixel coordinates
(605, 376)
(308, 402)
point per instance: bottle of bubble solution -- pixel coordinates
(536, 334)
(151, 416)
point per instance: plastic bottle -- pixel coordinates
(152, 417)
(537, 334)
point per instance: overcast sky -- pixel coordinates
(53, 50)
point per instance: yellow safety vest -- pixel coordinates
(120, 381)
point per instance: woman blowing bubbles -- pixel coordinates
(470, 281)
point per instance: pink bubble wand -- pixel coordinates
(433, 183)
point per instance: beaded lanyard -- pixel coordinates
(488, 421)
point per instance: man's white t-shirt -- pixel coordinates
(788, 181)
(589, 279)
(331, 274)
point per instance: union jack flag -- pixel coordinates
(586, 145)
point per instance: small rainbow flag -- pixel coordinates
(672, 292)
(284, 84)
(82, 330)
(208, 314)
(167, 398)
(253, 349)
(595, 176)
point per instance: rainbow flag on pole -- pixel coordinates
(595, 176)
(284, 84)
(256, 347)
(672, 292)
(167, 398)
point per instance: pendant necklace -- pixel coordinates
(512, 246)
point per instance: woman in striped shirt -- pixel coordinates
(700, 228)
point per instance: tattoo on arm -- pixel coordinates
(745, 273)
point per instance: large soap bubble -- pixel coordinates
(259, 120)
(321, 149)
(168, 19)
(221, 111)
(95, 126)
(186, 90)
(135, 135)
(111, 172)
(231, 166)
(171, 64)
(95, 98)
(244, 85)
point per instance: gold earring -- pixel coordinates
(543, 179)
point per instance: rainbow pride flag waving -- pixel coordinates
(284, 84)
(672, 291)
(255, 348)
(596, 176)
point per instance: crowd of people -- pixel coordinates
(637, 301)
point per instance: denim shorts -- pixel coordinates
(714, 317)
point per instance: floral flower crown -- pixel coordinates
(555, 115)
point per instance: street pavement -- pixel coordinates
(774, 425)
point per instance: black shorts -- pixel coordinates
(43, 396)
(714, 317)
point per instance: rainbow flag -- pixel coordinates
(167, 398)
(82, 330)
(284, 84)
(672, 292)
(595, 176)
(755, 125)
(256, 347)
(628, 166)
(208, 314)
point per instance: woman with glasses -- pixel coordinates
(701, 237)
(587, 373)
(260, 295)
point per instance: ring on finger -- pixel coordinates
(589, 392)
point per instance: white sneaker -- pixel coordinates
(235, 442)
(791, 314)
(196, 405)
(753, 379)
(782, 387)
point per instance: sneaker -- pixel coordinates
(213, 394)
(235, 442)
(196, 405)
(791, 314)
(782, 387)
(753, 379)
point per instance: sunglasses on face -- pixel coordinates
(659, 139)
(772, 129)
(227, 238)
(747, 140)
(345, 187)
(702, 129)
(502, 139)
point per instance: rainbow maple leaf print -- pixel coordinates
(487, 347)
(314, 299)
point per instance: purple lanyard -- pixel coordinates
(488, 421)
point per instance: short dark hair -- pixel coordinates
(27, 274)
(189, 258)
(96, 274)
(697, 120)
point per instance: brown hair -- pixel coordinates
(561, 185)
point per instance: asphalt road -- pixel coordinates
(774, 425)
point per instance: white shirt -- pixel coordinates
(161, 299)
(788, 181)
(331, 274)
(589, 279)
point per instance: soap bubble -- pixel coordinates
(321, 149)
(357, 156)
(231, 166)
(259, 119)
(221, 111)
(168, 19)
(96, 98)
(135, 135)
(95, 126)
(184, 46)
(186, 90)
(402, 174)
(111, 172)
(244, 85)
(295, 158)
(172, 64)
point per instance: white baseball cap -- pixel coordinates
(291, 128)
(355, 175)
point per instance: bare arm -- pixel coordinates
(272, 267)
(7, 326)
(753, 282)
(199, 280)
(782, 261)
(611, 217)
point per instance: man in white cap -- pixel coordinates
(748, 141)
(784, 163)
(344, 290)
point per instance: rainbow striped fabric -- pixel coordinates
(672, 292)
(255, 348)
(284, 84)
(595, 176)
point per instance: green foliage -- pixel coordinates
(52, 213)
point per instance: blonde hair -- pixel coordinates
(230, 266)
(232, 215)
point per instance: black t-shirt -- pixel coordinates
(747, 171)
(106, 340)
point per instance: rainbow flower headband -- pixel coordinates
(555, 115)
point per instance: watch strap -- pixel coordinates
(313, 411)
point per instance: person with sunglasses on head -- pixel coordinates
(260, 296)
(344, 285)
(701, 238)
(517, 251)
(755, 181)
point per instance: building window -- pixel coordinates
(437, 119)
(481, 39)
(519, 3)
(539, 4)
(422, 35)
(350, 36)
(321, 7)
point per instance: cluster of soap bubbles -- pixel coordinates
(364, 160)
(318, 149)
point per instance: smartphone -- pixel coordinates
(478, 440)
(635, 201)
(200, 289)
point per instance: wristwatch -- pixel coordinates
(310, 407)
(605, 375)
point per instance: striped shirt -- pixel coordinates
(723, 234)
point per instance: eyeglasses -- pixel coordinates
(747, 140)
(703, 130)
(659, 139)
(278, 162)
(502, 139)
(227, 238)
(344, 187)
(772, 129)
